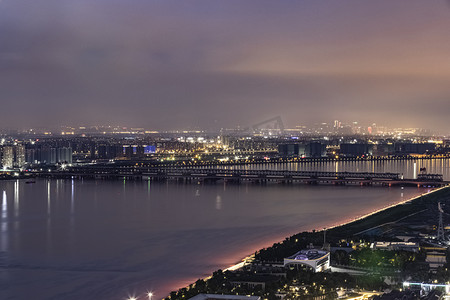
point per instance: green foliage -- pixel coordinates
(340, 257)
(289, 246)
(379, 259)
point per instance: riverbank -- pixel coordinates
(392, 213)
(346, 230)
(349, 222)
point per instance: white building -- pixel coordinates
(396, 246)
(318, 260)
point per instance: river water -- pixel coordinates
(87, 239)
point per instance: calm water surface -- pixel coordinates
(73, 239)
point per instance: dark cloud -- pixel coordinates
(172, 64)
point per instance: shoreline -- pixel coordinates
(386, 208)
(234, 267)
(242, 262)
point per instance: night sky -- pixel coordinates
(211, 64)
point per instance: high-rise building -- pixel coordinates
(32, 156)
(291, 150)
(106, 151)
(48, 155)
(64, 155)
(414, 148)
(315, 149)
(353, 150)
(19, 155)
(7, 157)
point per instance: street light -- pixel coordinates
(150, 295)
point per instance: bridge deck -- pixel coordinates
(260, 175)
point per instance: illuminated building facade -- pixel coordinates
(19, 155)
(7, 157)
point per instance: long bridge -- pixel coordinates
(238, 175)
(309, 177)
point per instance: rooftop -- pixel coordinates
(311, 254)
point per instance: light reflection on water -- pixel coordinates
(106, 239)
(4, 227)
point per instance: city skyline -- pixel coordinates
(274, 125)
(210, 64)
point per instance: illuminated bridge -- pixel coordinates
(269, 174)
(238, 175)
